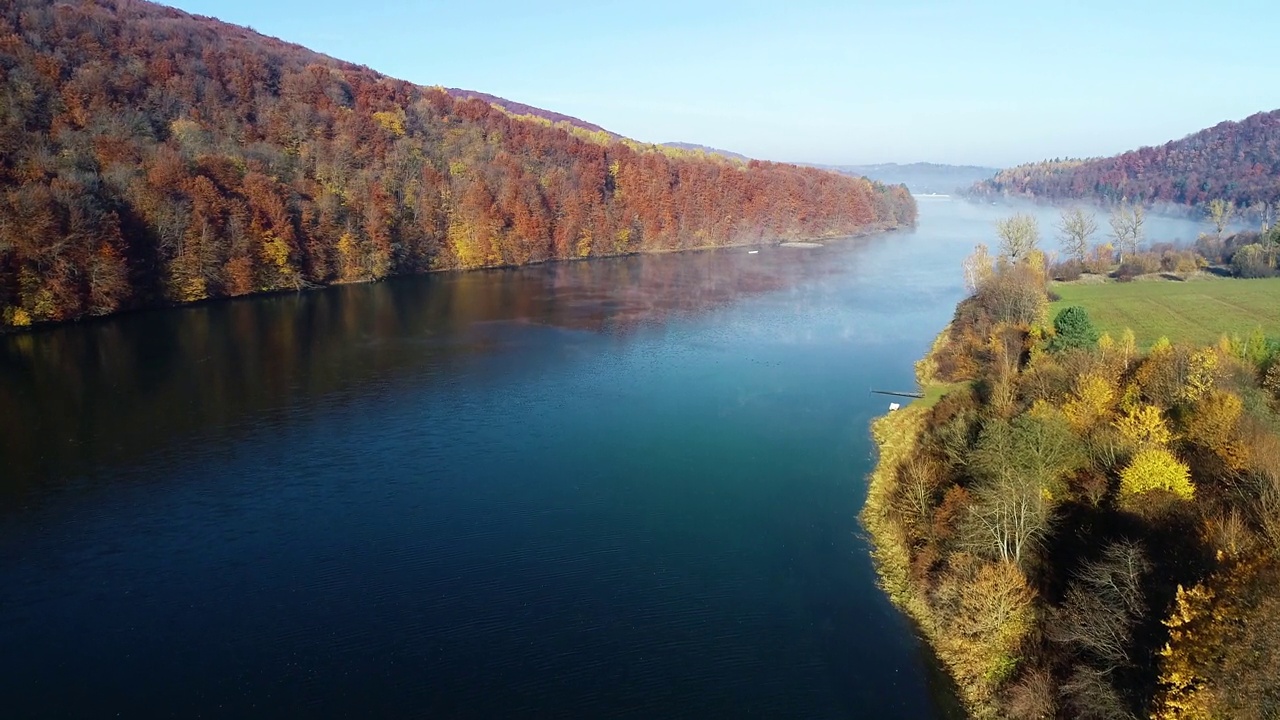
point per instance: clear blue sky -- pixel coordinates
(991, 83)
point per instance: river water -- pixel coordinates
(617, 488)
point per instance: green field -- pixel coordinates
(1199, 311)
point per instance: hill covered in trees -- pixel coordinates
(149, 156)
(1235, 161)
(517, 108)
(706, 149)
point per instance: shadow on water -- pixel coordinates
(105, 392)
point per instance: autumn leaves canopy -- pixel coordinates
(148, 156)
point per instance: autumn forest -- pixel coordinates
(1237, 162)
(150, 157)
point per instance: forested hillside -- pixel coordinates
(148, 156)
(515, 108)
(1237, 161)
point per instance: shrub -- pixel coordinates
(1067, 271)
(1140, 264)
(1253, 261)
(1180, 261)
(1156, 469)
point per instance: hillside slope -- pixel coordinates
(518, 108)
(1237, 161)
(148, 156)
(707, 149)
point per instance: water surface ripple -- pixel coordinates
(623, 488)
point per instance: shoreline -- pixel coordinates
(36, 328)
(894, 436)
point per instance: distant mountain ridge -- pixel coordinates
(1238, 161)
(920, 177)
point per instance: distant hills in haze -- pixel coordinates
(920, 177)
(1237, 161)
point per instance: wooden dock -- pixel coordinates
(899, 394)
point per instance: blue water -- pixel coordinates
(619, 488)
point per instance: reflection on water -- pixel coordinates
(107, 391)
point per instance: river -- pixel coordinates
(617, 488)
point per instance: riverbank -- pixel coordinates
(1082, 529)
(896, 436)
(27, 324)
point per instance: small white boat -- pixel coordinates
(752, 252)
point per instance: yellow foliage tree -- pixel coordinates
(583, 248)
(1116, 357)
(276, 253)
(348, 257)
(1144, 427)
(1090, 403)
(1222, 660)
(1128, 346)
(1213, 424)
(1156, 469)
(392, 121)
(17, 317)
(987, 610)
(1184, 693)
(1202, 373)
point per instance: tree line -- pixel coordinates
(1121, 250)
(148, 156)
(1084, 530)
(1232, 161)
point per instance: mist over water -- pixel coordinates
(623, 487)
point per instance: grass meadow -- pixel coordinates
(1198, 312)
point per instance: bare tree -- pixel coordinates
(1033, 696)
(1126, 228)
(1011, 514)
(1117, 575)
(978, 268)
(1018, 235)
(1103, 603)
(1077, 226)
(1010, 517)
(1220, 213)
(915, 497)
(1091, 695)
(1266, 213)
(1268, 507)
